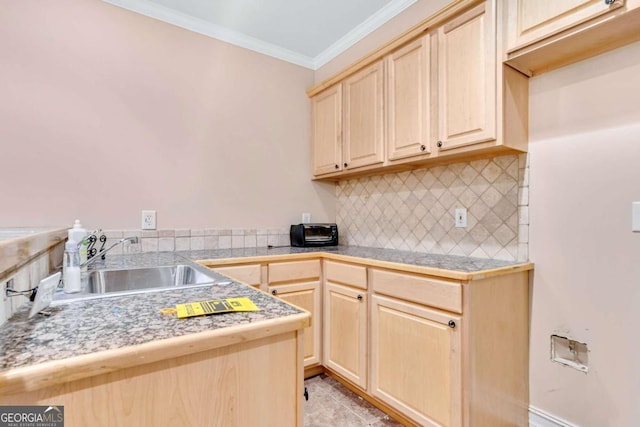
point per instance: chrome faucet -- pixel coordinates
(101, 254)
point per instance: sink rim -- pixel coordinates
(61, 298)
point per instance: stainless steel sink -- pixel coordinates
(111, 283)
(106, 281)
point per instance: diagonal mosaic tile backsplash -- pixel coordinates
(415, 210)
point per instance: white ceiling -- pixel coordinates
(305, 32)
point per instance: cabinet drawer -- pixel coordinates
(422, 290)
(249, 274)
(348, 274)
(294, 270)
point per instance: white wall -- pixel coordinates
(105, 112)
(585, 172)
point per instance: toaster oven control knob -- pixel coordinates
(360, 297)
(423, 147)
(274, 292)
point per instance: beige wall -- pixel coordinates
(396, 26)
(106, 112)
(585, 154)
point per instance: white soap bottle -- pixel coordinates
(71, 268)
(79, 235)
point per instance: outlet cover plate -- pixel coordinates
(148, 220)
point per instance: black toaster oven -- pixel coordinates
(308, 235)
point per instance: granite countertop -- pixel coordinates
(436, 261)
(90, 326)
(94, 325)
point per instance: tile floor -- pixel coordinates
(331, 404)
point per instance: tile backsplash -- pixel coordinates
(414, 210)
(196, 239)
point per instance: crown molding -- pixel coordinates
(218, 32)
(372, 23)
(200, 26)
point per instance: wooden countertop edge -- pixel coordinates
(17, 252)
(409, 268)
(34, 377)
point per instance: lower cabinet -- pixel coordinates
(345, 332)
(408, 341)
(306, 296)
(298, 283)
(251, 274)
(416, 361)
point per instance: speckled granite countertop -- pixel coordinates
(452, 264)
(90, 326)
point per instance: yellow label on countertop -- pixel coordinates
(202, 308)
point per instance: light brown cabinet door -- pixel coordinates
(416, 361)
(326, 114)
(533, 20)
(249, 273)
(363, 117)
(408, 100)
(467, 79)
(345, 332)
(306, 296)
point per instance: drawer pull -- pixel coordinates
(452, 324)
(274, 292)
(360, 297)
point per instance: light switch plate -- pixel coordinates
(461, 217)
(635, 216)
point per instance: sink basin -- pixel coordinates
(107, 281)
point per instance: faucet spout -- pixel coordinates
(132, 239)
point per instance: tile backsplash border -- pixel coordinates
(185, 239)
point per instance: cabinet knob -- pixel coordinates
(274, 292)
(423, 147)
(610, 2)
(452, 324)
(439, 144)
(360, 297)
(346, 164)
(337, 167)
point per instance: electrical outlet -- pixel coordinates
(306, 218)
(148, 220)
(461, 217)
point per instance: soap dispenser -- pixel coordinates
(79, 235)
(71, 268)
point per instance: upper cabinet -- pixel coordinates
(467, 79)
(537, 19)
(326, 113)
(542, 35)
(409, 100)
(363, 117)
(438, 94)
